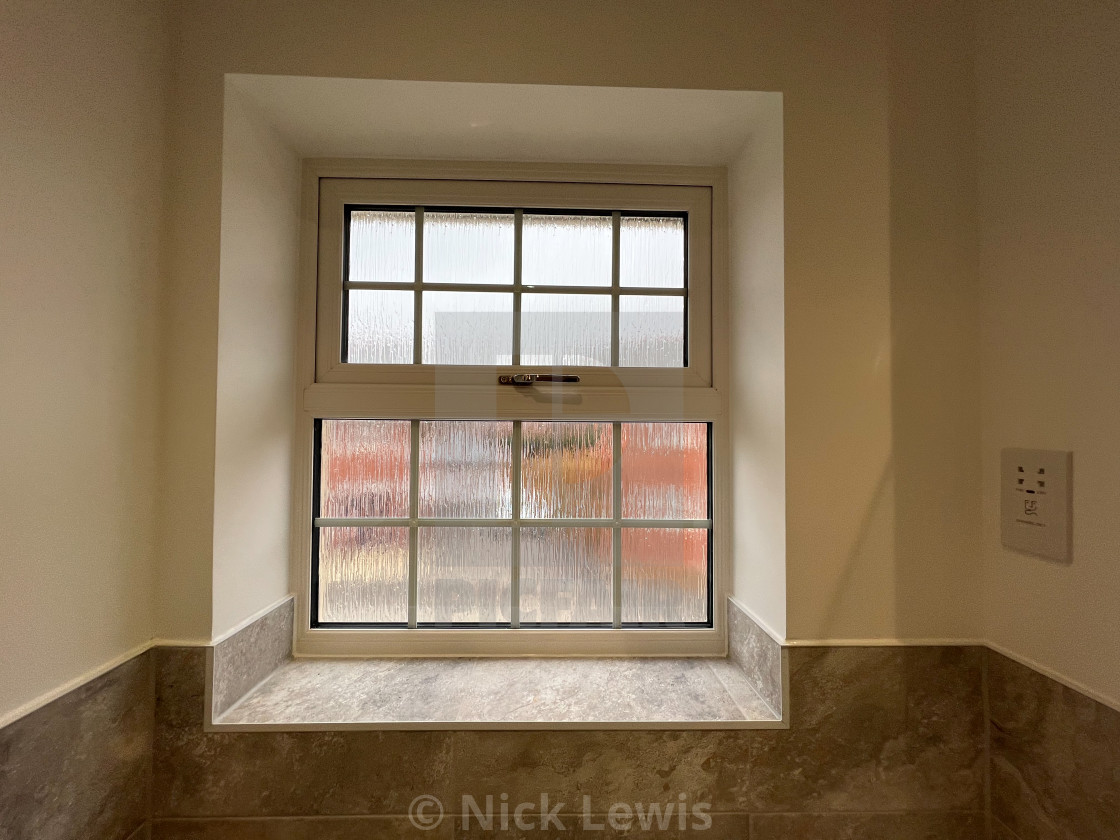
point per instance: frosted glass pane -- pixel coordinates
(664, 471)
(467, 328)
(468, 248)
(463, 575)
(565, 250)
(565, 329)
(379, 327)
(465, 469)
(363, 575)
(650, 331)
(566, 470)
(566, 575)
(664, 575)
(383, 246)
(364, 468)
(651, 252)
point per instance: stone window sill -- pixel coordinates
(255, 684)
(497, 693)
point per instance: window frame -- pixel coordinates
(337, 195)
(327, 388)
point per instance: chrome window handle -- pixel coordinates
(531, 378)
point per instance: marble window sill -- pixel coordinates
(516, 693)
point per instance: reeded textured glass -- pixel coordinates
(664, 575)
(383, 246)
(565, 575)
(650, 331)
(467, 328)
(651, 252)
(468, 248)
(379, 327)
(364, 471)
(566, 470)
(664, 471)
(465, 469)
(565, 250)
(363, 575)
(565, 329)
(463, 575)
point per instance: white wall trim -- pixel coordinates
(253, 619)
(70, 685)
(198, 642)
(762, 625)
(1081, 688)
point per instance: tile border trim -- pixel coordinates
(70, 685)
(1070, 683)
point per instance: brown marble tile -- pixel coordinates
(211, 774)
(180, 687)
(608, 766)
(295, 773)
(1002, 832)
(144, 832)
(247, 657)
(80, 766)
(919, 826)
(1055, 757)
(875, 729)
(298, 828)
(628, 825)
(758, 655)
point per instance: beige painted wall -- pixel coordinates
(856, 565)
(83, 96)
(1049, 109)
(935, 329)
(256, 360)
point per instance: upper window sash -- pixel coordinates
(339, 196)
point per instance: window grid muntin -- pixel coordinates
(616, 523)
(516, 287)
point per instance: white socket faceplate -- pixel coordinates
(1037, 502)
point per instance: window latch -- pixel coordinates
(533, 378)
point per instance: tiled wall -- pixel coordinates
(79, 768)
(884, 744)
(1055, 769)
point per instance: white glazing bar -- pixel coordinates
(413, 531)
(418, 297)
(515, 540)
(516, 356)
(616, 259)
(616, 531)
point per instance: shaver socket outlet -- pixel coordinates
(1036, 501)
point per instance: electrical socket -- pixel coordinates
(1036, 502)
